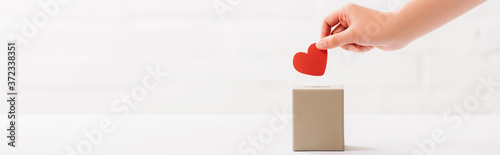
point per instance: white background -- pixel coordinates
(91, 52)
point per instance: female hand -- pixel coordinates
(360, 29)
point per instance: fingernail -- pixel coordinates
(352, 48)
(321, 44)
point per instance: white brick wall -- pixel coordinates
(91, 54)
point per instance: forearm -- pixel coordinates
(419, 17)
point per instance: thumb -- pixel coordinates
(335, 40)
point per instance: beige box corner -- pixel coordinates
(318, 118)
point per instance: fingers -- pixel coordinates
(336, 37)
(338, 29)
(339, 36)
(335, 40)
(330, 21)
(345, 32)
(351, 47)
(357, 48)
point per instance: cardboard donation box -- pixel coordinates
(318, 118)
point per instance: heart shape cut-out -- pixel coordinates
(311, 63)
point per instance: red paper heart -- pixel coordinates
(311, 63)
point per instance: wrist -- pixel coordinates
(393, 34)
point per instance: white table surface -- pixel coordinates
(222, 134)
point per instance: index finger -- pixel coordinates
(330, 21)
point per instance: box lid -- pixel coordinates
(321, 87)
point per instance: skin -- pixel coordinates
(359, 29)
